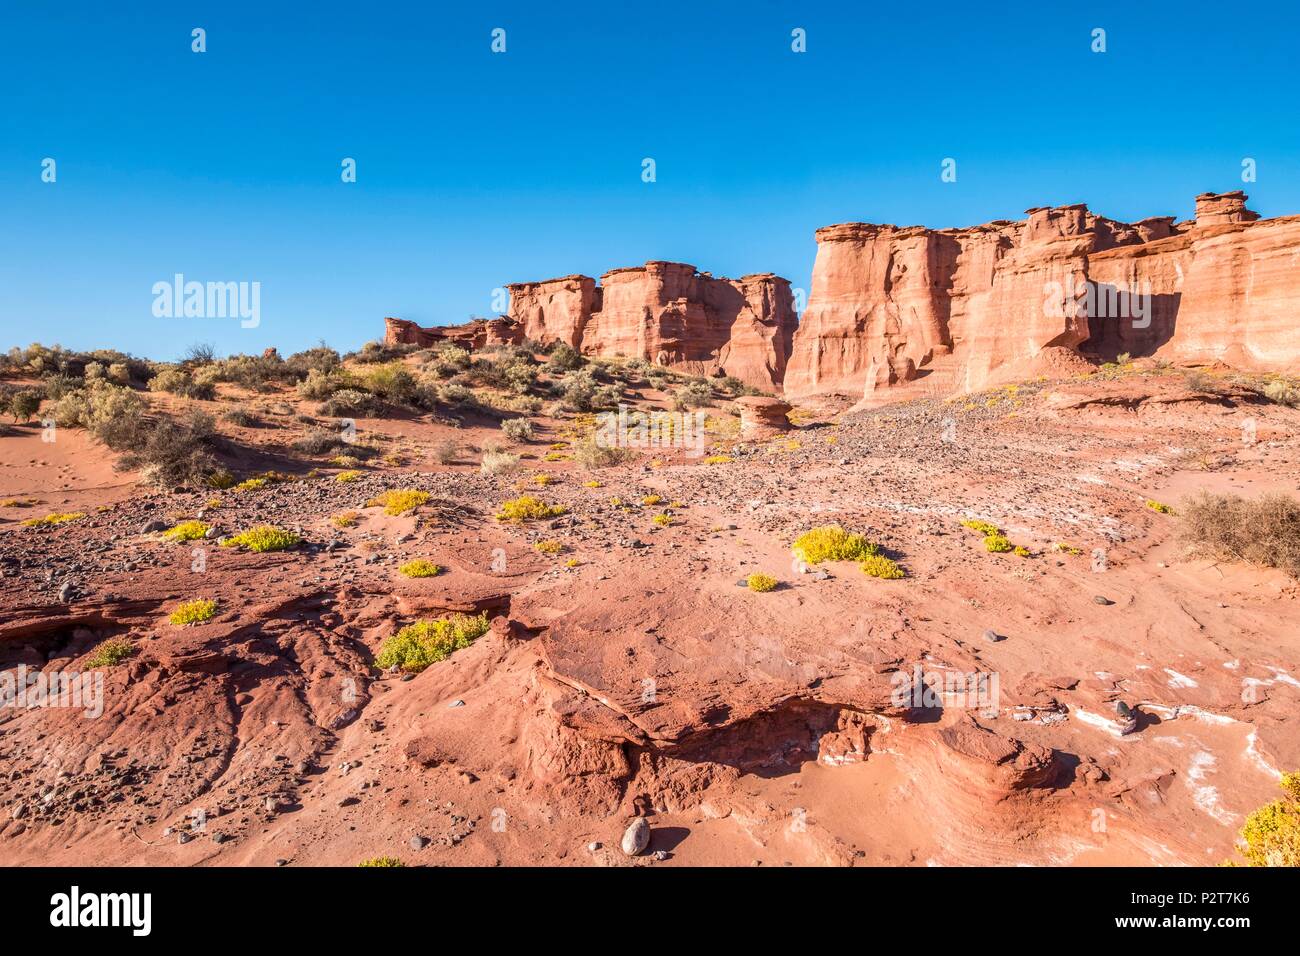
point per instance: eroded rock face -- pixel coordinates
(762, 417)
(957, 310)
(667, 313)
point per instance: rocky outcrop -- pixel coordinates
(670, 314)
(667, 313)
(895, 311)
(954, 310)
(762, 417)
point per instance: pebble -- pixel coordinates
(1103, 601)
(992, 635)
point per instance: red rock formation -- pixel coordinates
(670, 314)
(957, 310)
(556, 310)
(663, 312)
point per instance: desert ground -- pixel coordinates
(628, 670)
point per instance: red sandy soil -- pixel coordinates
(750, 728)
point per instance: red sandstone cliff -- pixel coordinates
(663, 312)
(955, 310)
(900, 310)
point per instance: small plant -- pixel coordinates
(53, 519)
(548, 547)
(879, 566)
(527, 508)
(1271, 834)
(399, 501)
(572, 563)
(445, 452)
(220, 480)
(186, 531)
(498, 462)
(262, 538)
(663, 520)
(542, 479)
(1064, 548)
(193, 612)
(110, 652)
(832, 543)
(1263, 531)
(593, 484)
(651, 500)
(983, 527)
(418, 645)
(382, 861)
(1022, 551)
(420, 568)
(760, 582)
(996, 543)
(345, 519)
(346, 476)
(252, 484)
(717, 460)
(1157, 506)
(518, 429)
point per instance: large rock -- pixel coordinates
(955, 310)
(762, 417)
(667, 313)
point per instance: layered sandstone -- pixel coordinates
(668, 313)
(955, 310)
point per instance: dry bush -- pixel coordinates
(1264, 530)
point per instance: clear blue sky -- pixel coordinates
(477, 169)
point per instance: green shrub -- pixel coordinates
(262, 538)
(186, 531)
(418, 645)
(527, 508)
(399, 501)
(420, 568)
(193, 612)
(879, 566)
(1271, 835)
(832, 543)
(996, 543)
(110, 652)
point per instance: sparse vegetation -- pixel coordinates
(193, 612)
(262, 538)
(760, 582)
(1157, 506)
(418, 645)
(186, 531)
(548, 547)
(420, 568)
(399, 501)
(498, 462)
(832, 543)
(1271, 835)
(717, 460)
(517, 429)
(879, 566)
(346, 476)
(997, 543)
(345, 519)
(983, 527)
(112, 651)
(590, 453)
(382, 861)
(527, 508)
(58, 517)
(1263, 531)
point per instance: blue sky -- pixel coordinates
(475, 169)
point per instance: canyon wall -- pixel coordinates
(922, 311)
(667, 313)
(899, 311)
